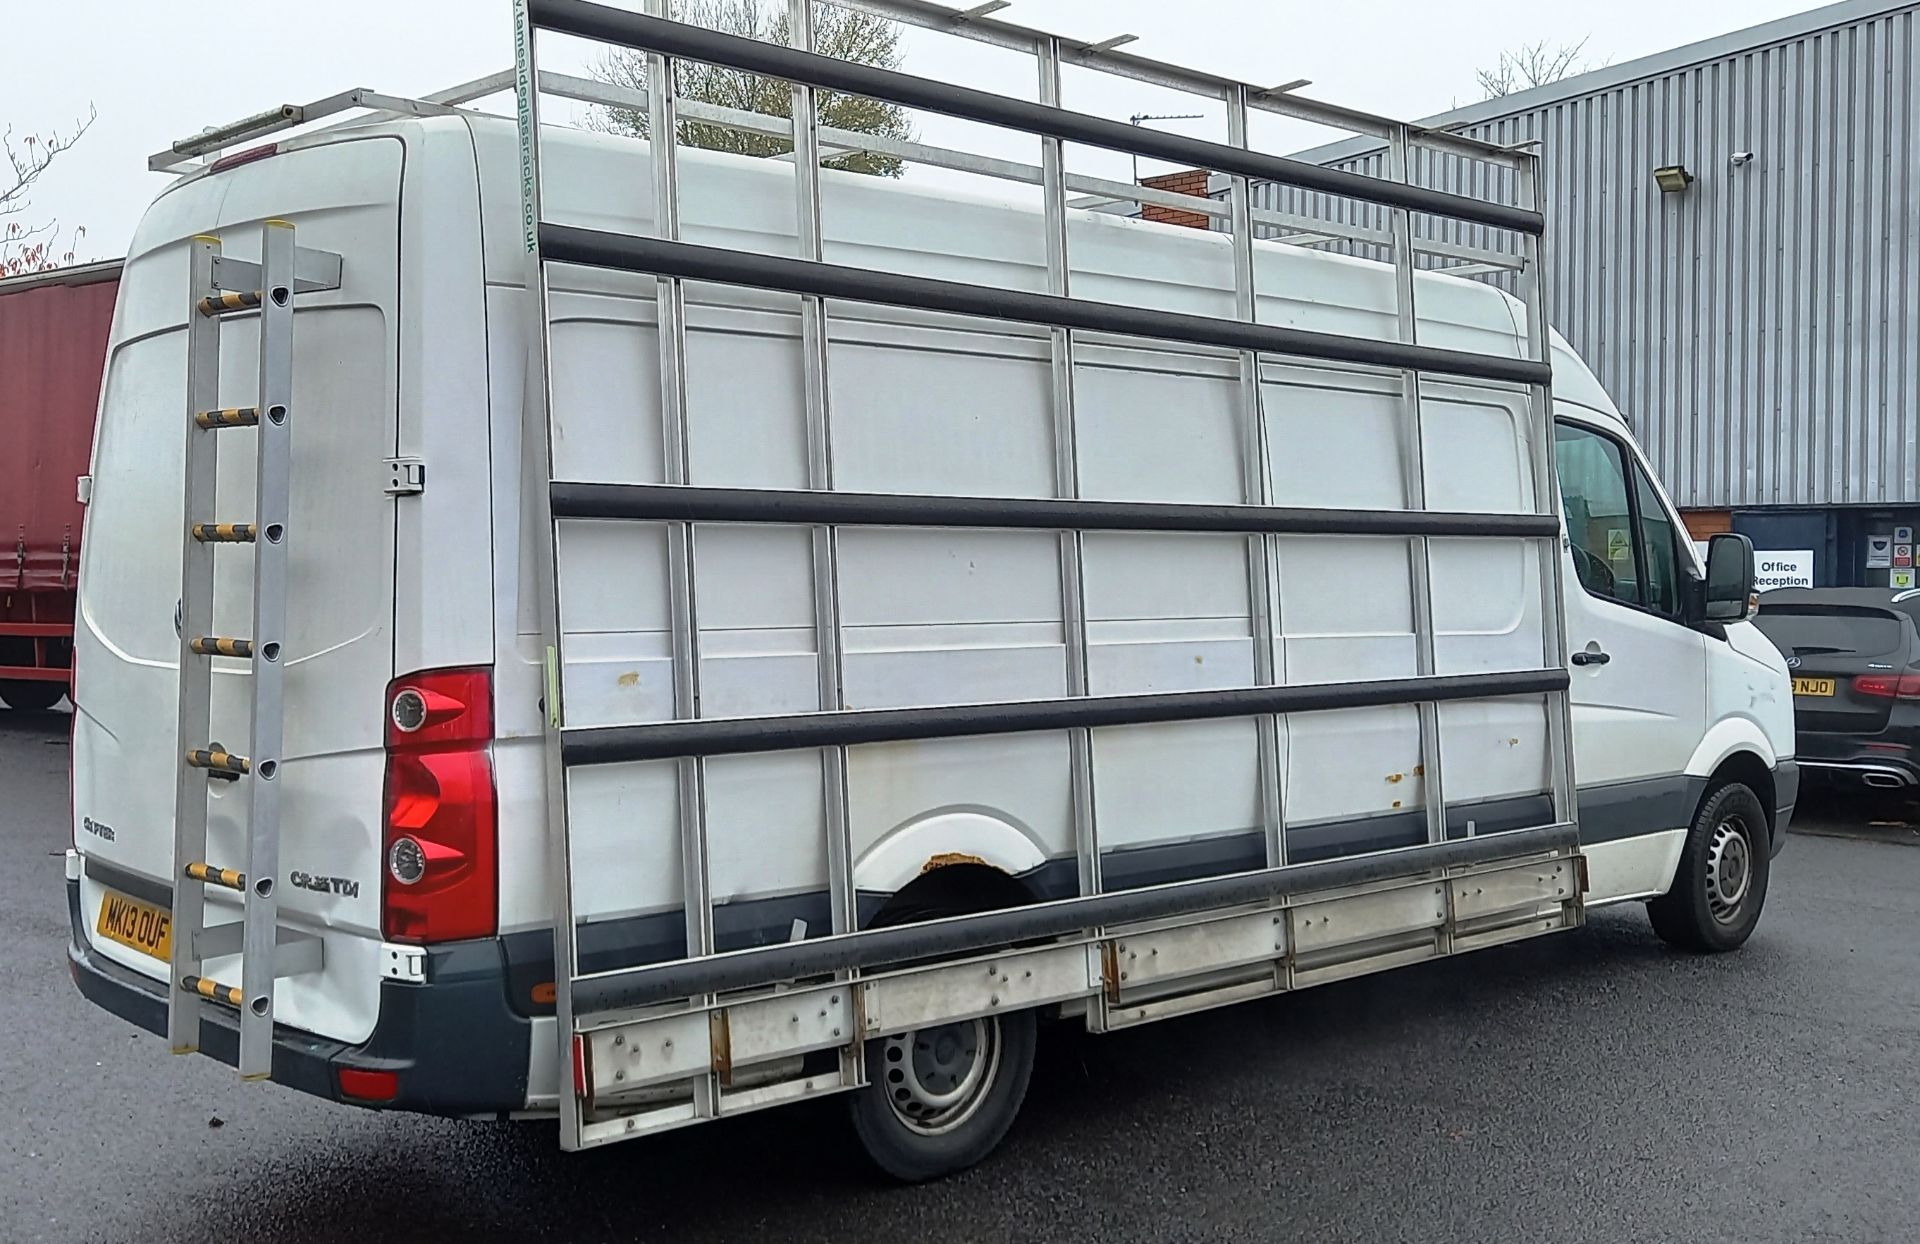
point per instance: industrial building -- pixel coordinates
(1734, 246)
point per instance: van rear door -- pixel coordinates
(342, 197)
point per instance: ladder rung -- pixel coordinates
(232, 879)
(212, 990)
(231, 417)
(232, 300)
(218, 646)
(223, 533)
(217, 761)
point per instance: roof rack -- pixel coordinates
(192, 154)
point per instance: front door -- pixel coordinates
(1639, 672)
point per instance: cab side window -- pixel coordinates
(1657, 547)
(1623, 540)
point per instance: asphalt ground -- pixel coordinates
(1594, 1085)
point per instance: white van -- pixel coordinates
(1271, 662)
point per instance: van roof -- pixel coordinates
(1337, 281)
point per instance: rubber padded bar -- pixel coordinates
(569, 244)
(724, 736)
(231, 417)
(220, 646)
(220, 304)
(785, 961)
(223, 533)
(231, 878)
(686, 503)
(218, 762)
(635, 30)
(212, 990)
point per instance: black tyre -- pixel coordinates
(1721, 883)
(938, 1100)
(31, 696)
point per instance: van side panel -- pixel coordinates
(941, 404)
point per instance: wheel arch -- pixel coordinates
(960, 860)
(1748, 768)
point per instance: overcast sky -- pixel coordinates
(158, 70)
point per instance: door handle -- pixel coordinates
(1594, 657)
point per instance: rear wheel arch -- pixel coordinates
(961, 888)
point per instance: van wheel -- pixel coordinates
(1721, 882)
(939, 1099)
(31, 696)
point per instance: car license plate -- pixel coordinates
(1813, 686)
(146, 928)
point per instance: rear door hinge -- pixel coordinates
(406, 477)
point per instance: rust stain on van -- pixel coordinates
(1419, 770)
(630, 679)
(1396, 777)
(944, 858)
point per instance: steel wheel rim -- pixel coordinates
(937, 1078)
(1729, 870)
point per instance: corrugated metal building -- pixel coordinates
(1761, 325)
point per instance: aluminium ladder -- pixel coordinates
(686, 1023)
(224, 288)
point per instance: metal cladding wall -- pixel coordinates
(1761, 329)
(53, 347)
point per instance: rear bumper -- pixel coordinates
(453, 1042)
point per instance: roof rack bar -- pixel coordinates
(704, 504)
(620, 27)
(1279, 100)
(592, 247)
(733, 736)
(1309, 229)
(290, 116)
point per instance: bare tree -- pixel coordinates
(1531, 65)
(844, 33)
(27, 246)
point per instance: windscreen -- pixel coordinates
(1836, 629)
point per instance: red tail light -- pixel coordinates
(441, 879)
(1888, 686)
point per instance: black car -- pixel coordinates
(1854, 654)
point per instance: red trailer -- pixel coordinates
(53, 348)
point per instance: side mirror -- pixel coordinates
(1728, 594)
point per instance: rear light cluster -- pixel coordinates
(441, 848)
(1888, 686)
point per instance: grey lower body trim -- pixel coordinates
(1619, 810)
(1786, 797)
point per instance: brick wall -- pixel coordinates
(1189, 181)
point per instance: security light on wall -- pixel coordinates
(1672, 178)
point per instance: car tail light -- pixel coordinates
(440, 854)
(1888, 686)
